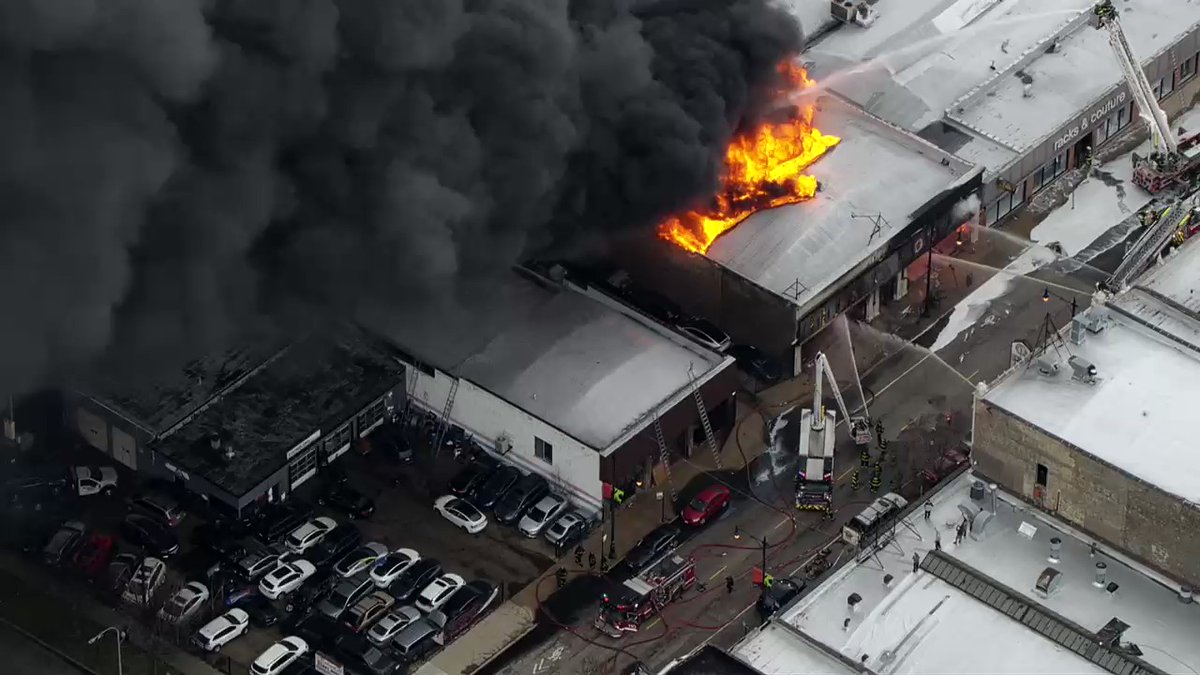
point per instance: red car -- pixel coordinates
(92, 558)
(710, 502)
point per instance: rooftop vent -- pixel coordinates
(1047, 365)
(1048, 582)
(1101, 575)
(853, 11)
(1055, 550)
(214, 441)
(1082, 370)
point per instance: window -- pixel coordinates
(337, 442)
(1164, 87)
(371, 417)
(1114, 123)
(1059, 165)
(543, 450)
(302, 466)
(1043, 475)
(1006, 203)
(1187, 70)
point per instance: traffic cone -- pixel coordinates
(854, 485)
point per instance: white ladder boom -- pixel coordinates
(1135, 77)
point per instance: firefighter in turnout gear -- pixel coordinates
(854, 484)
(864, 457)
(879, 429)
(876, 481)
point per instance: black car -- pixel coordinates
(358, 652)
(756, 364)
(653, 547)
(496, 485)
(346, 499)
(221, 538)
(335, 545)
(467, 481)
(414, 579)
(528, 490)
(653, 304)
(150, 534)
(262, 612)
(310, 593)
(780, 593)
(391, 441)
(278, 522)
(318, 630)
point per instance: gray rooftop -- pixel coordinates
(317, 383)
(579, 365)
(974, 610)
(798, 251)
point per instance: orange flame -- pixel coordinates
(763, 170)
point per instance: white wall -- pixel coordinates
(576, 467)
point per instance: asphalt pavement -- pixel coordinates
(22, 655)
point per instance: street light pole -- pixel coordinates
(1046, 295)
(929, 272)
(118, 633)
(737, 534)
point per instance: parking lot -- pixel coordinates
(403, 517)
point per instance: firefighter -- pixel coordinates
(876, 481)
(618, 496)
(579, 555)
(854, 481)
(879, 427)
(591, 561)
(883, 444)
(928, 509)
(729, 585)
(603, 564)
(864, 457)
(767, 580)
(560, 577)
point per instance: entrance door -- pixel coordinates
(1083, 148)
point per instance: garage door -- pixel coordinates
(124, 448)
(93, 428)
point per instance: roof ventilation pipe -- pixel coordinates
(1055, 550)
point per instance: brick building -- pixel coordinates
(1113, 454)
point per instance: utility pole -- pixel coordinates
(929, 272)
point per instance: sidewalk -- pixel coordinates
(64, 618)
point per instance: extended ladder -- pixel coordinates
(1135, 77)
(444, 424)
(708, 430)
(1150, 243)
(665, 456)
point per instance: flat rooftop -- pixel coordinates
(1148, 361)
(316, 382)
(920, 56)
(876, 175)
(938, 620)
(1075, 76)
(579, 365)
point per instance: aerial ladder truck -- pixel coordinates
(1169, 160)
(814, 477)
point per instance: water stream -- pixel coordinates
(948, 260)
(900, 344)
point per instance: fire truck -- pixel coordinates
(814, 477)
(645, 595)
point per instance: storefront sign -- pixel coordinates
(1086, 121)
(304, 444)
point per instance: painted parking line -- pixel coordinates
(653, 623)
(718, 572)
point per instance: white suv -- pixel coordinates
(279, 656)
(94, 480)
(146, 580)
(222, 630)
(309, 534)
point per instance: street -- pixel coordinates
(25, 656)
(924, 400)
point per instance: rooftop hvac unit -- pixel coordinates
(842, 10)
(1082, 370)
(1048, 582)
(504, 444)
(1047, 365)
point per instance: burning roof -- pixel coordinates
(763, 169)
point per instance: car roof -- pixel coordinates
(551, 500)
(712, 491)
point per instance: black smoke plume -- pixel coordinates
(174, 171)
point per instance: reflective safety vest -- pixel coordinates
(618, 495)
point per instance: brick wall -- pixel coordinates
(1152, 525)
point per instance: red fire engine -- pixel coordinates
(645, 595)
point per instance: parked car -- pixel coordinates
(438, 592)
(568, 529)
(542, 514)
(496, 485)
(37, 489)
(120, 571)
(391, 441)
(318, 630)
(184, 603)
(706, 505)
(653, 547)
(307, 596)
(345, 594)
(391, 566)
(340, 496)
(415, 578)
(360, 559)
(279, 656)
(363, 656)
(254, 563)
(262, 613)
(368, 610)
(221, 538)
(467, 481)
(778, 594)
(145, 582)
(463, 609)
(705, 332)
(756, 364)
(92, 557)
(287, 576)
(279, 521)
(94, 480)
(520, 498)
(309, 534)
(461, 512)
(415, 642)
(652, 304)
(161, 507)
(150, 534)
(336, 544)
(222, 630)
(389, 626)
(63, 544)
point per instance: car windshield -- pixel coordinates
(339, 598)
(465, 508)
(537, 513)
(698, 504)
